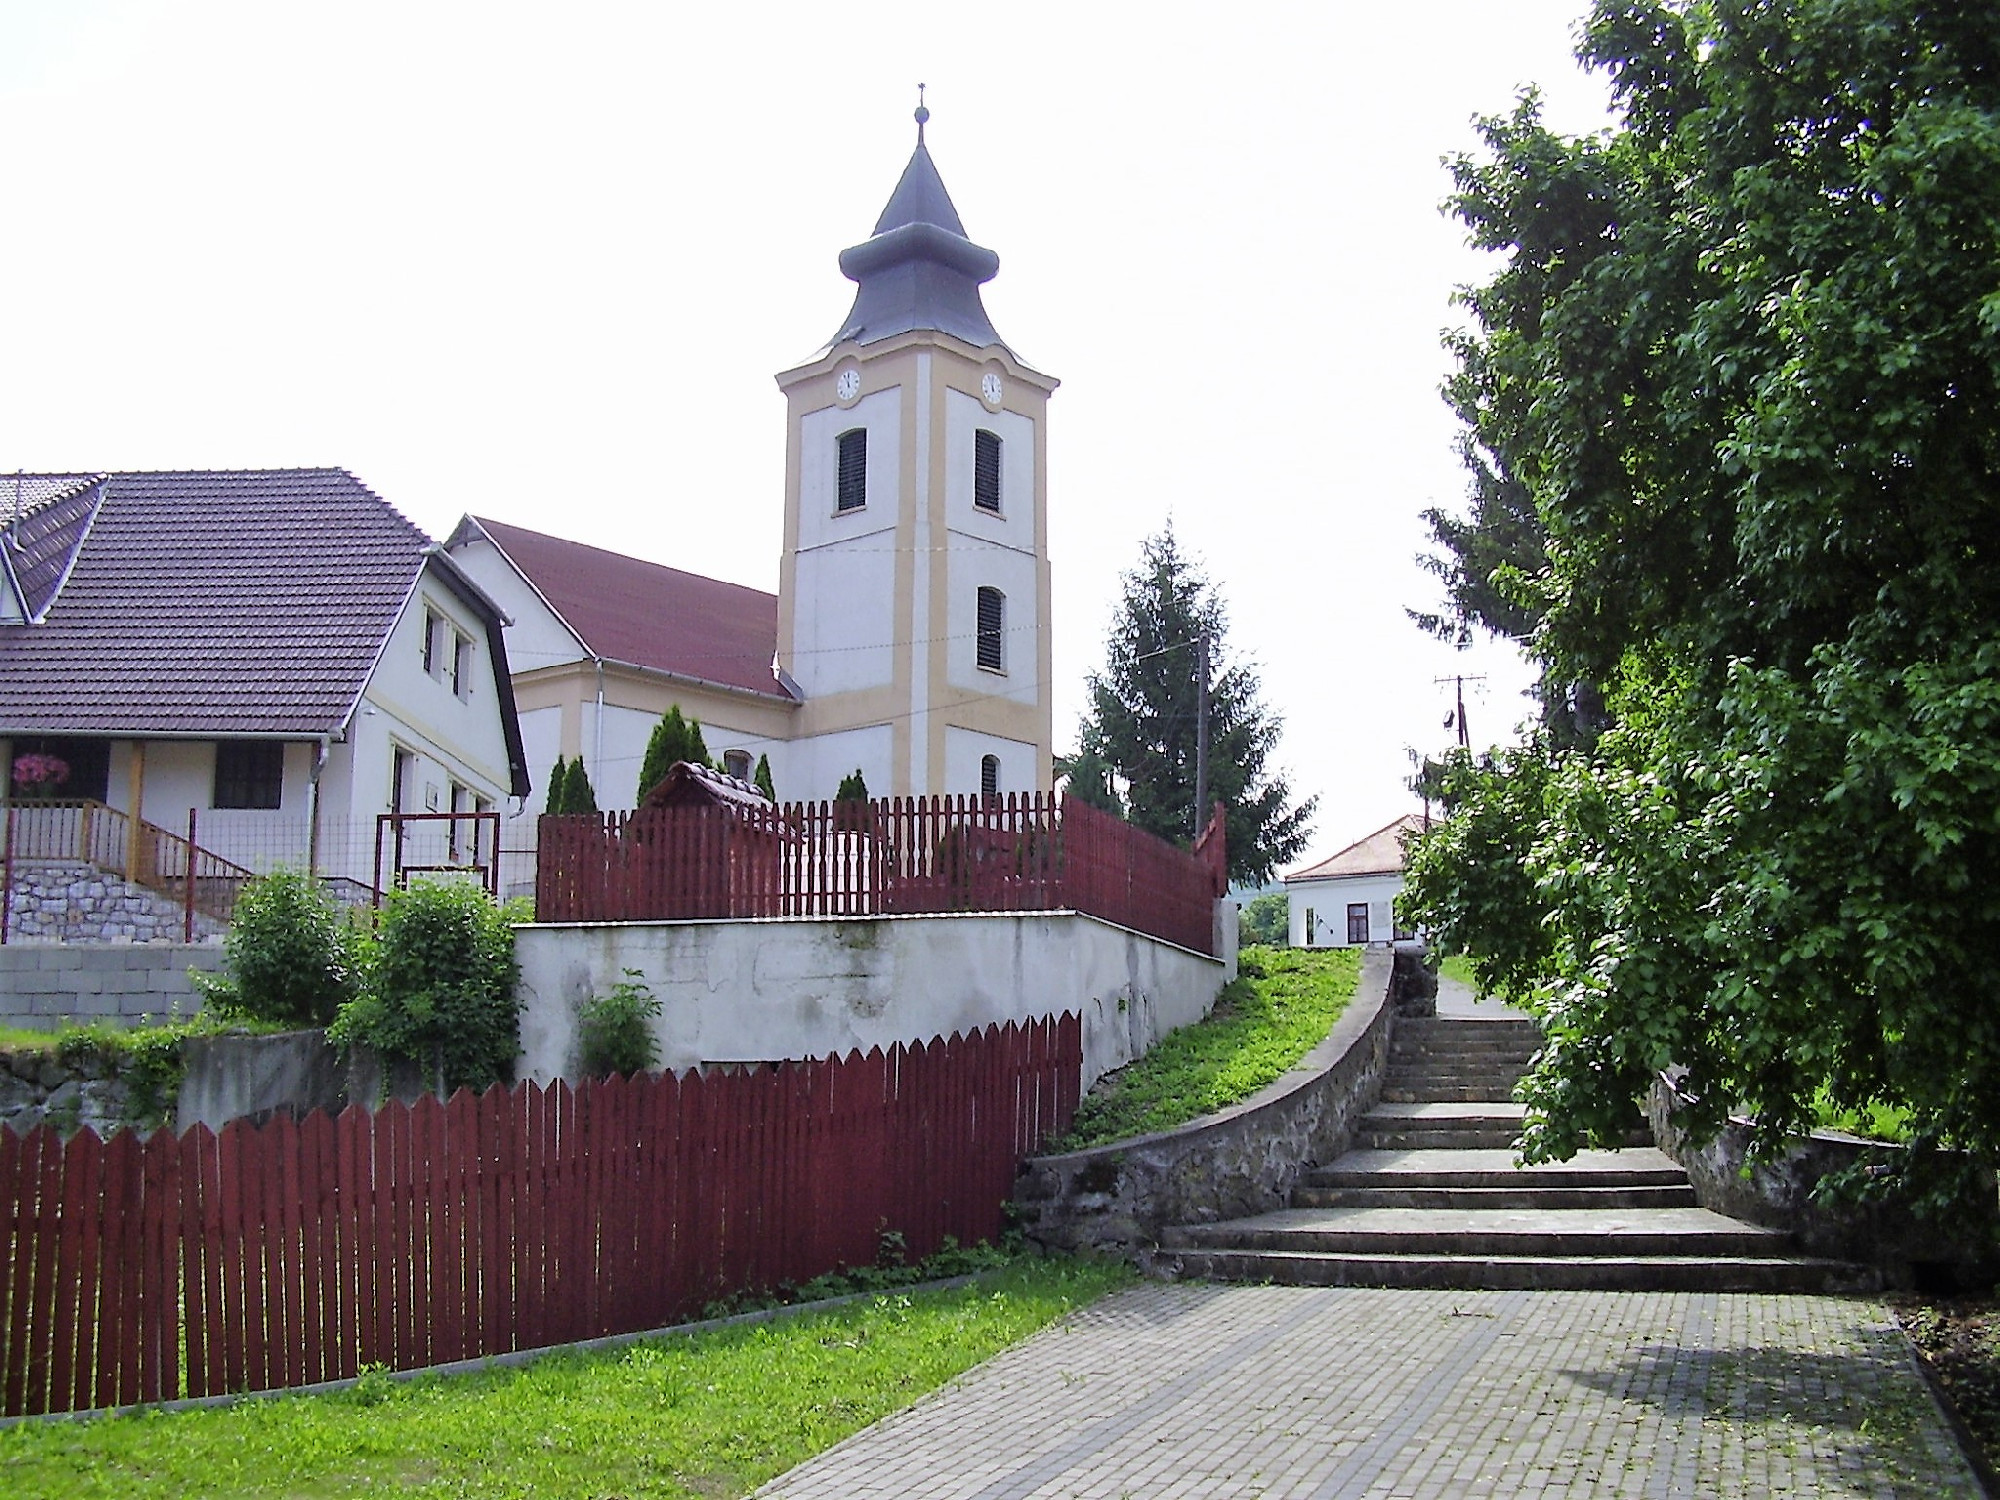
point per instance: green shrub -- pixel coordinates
(441, 986)
(289, 957)
(616, 1036)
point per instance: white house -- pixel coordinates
(276, 654)
(909, 636)
(1348, 901)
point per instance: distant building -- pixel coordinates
(909, 637)
(1348, 901)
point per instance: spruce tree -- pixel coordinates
(556, 794)
(1142, 720)
(762, 777)
(674, 739)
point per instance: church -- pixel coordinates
(909, 637)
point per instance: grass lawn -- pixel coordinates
(1458, 967)
(1281, 1006)
(709, 1414)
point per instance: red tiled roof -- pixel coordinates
(652, 616)
(209, 603)
(1381, 853)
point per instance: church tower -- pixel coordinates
(914, 593)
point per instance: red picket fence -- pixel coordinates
(861, 859)
(293, 1252)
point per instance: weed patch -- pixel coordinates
(1280, 1007)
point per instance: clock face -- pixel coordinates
(990, 389)
(849, 384)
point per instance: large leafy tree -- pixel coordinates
(1141, 723)
(1742, 361)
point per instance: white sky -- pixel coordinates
(541, 263)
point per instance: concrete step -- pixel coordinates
(1662, 1195)
(1423, 1091)
(1436, 1138)
(1418, 1031)
(1636, 1166)
(1501, 1082)
(1528, 1232)
(1671, 1273)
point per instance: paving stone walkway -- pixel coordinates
(1168, 1391)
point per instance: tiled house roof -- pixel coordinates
(1381, 853)
(205, 603)
(651, 616)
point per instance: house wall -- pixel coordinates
(536, 635)
(769, 990)
(1328, 901)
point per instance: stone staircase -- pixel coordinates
(1430, 1196)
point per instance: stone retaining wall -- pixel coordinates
(1957, 1246)
(1242, 1161)
(71, 901)
(44, 984)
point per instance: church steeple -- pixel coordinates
(919, 270)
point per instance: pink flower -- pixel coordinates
(40, 770)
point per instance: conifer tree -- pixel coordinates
(763, 777)
(674, 739)
(578, 796)
(556, 793)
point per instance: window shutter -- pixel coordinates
(992, 624)
(989, 775)
(986, 470)
(853, 482)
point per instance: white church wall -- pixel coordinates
(964, 749)
(1014, 526)
(973, 567)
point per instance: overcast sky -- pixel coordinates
(541, 263)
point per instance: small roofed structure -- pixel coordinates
(1348, 900)
(690, 785)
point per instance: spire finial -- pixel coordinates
(923, 115)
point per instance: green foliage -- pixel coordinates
(674, 739)
(1281, 1006)
(1141, 722)
(149, 1058)
(441, 990)
(290, 955)
(715, 1412)
(1088, 777)
(1743, 358)
(578, 794)
(614, 1029)
(555, 797)
(1267, 920)
(762, 778)
(852, 788)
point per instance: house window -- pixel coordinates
(461, 802)
(431, 626)
(737, 763)
(461, 666)
(401, 763)
(1357, 922)
(853, 482)
(249, 773)
(986, 470)
(992, 629)
(989, 775)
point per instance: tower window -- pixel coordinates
(992, 629)
(986, 470)
(736, 763)
(853, 483)
(989, 775)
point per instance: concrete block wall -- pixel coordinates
(44, 984)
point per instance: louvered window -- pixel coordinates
(986, 470)
(853, 492)
(992, 629)
(989, 775)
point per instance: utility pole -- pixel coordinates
(1200, 734)
(1458, 682)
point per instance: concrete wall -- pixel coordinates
(1240, 1161)
(42, 984)
(768, 990)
